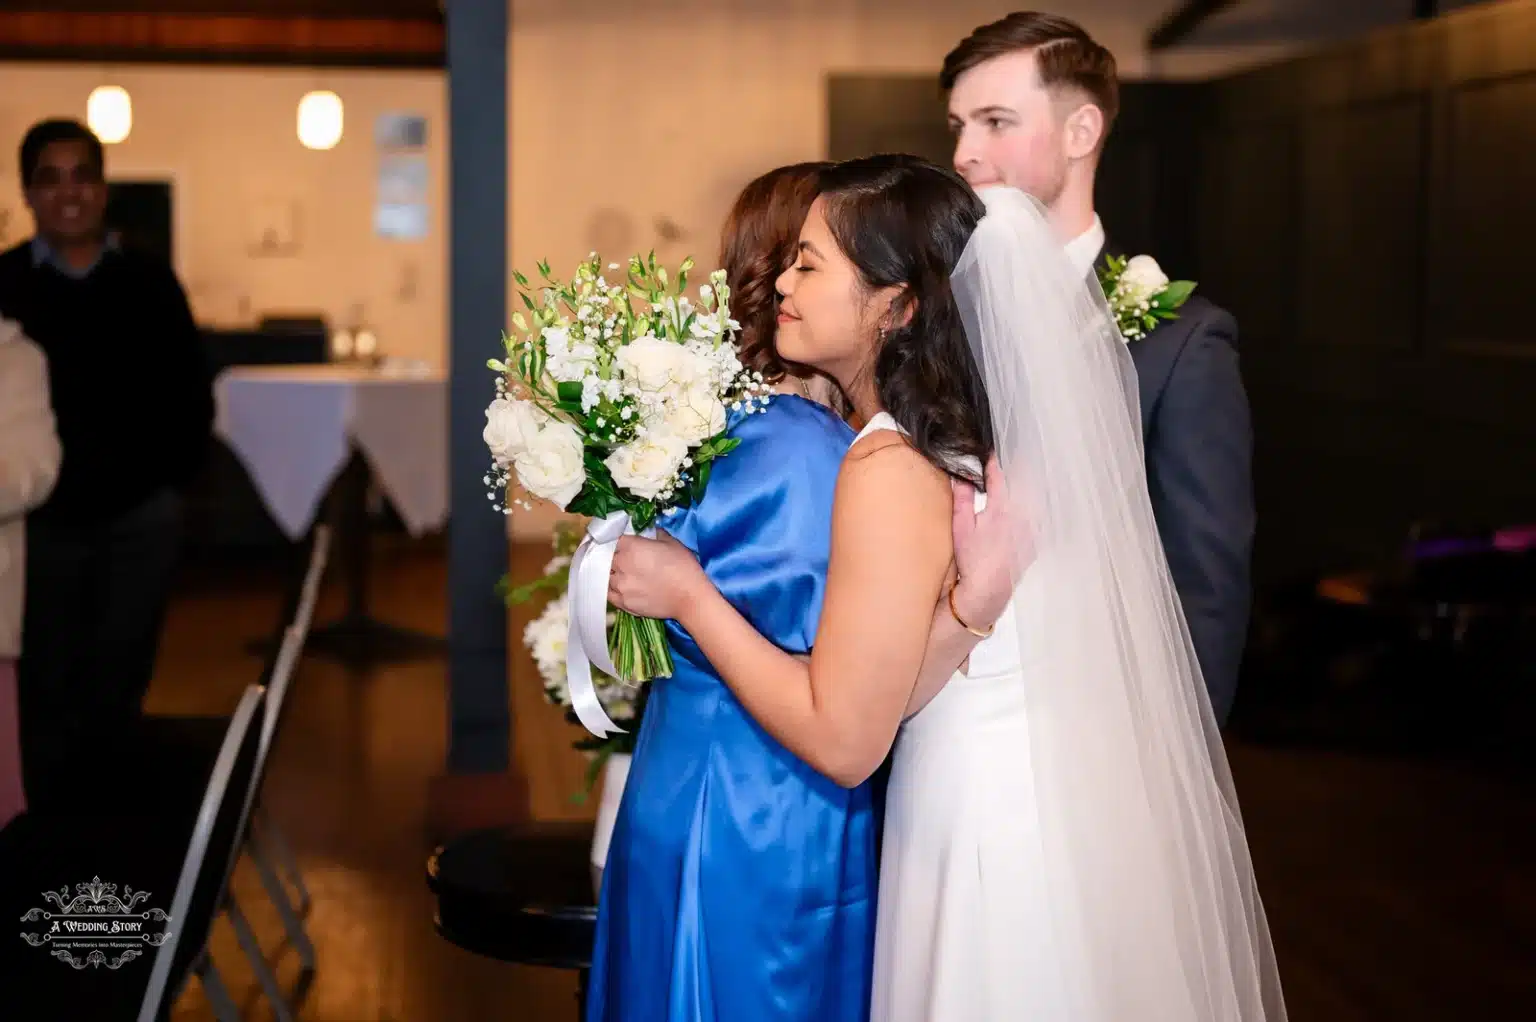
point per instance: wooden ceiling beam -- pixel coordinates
(221, 39)
(1183, 21)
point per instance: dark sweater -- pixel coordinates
(129, 378)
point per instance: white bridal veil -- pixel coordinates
(1152, 899)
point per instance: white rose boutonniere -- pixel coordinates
(1141, 294)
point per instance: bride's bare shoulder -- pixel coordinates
(884, 468)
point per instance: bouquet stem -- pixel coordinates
(639, 648)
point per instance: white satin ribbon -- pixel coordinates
(587, 641)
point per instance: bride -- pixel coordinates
(1062, 842)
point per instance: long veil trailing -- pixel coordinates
(1150, 890)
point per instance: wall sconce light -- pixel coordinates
(320, 120)
(109, 112)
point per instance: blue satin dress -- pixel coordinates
(740, 883)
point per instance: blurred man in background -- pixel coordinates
(133, 401)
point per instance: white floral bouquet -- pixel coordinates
(1140, 294)
(545, 638)
(612, 403)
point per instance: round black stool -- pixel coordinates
(519, 894)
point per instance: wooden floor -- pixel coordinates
(1396, 891)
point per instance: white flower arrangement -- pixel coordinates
(1140, 294)
(545, 638)
(614, 397)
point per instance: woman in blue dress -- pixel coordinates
(740, 882)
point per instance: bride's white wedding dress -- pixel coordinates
(1062, 838)
(961, 935)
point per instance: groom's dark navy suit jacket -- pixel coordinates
(1199, 445)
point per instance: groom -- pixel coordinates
(1031, 100)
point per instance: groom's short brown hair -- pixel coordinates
(1066, 56)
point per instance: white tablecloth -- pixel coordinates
(294, 427)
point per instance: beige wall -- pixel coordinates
(667, 108)
(228, 140)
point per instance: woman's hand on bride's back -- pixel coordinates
(990, 554)
(654, 577)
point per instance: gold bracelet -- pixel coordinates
(979, 634)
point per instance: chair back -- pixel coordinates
(294, 636)
(216, 838)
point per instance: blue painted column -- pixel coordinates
(479, 739)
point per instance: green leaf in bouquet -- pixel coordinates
(543, 268)
(522, 281)
(594, 502)
(1175, 294)
(589, 779)
(520, 321)
(598, 497)
(700, 479)
(554, 582)
(643, 516)
(528, 302)
(725, 445)
(597, 472)
(661, 276)
(568, 392)
(496, 365)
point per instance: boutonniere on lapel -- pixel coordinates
(1141, 294)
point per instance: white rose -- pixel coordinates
(550, 465)
(546, 638)
(695, 416)
(509, 425)
(647, 463)
(655, 364)
(1144, 275)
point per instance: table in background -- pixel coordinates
(307, 432)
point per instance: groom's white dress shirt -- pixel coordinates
(1085, 248)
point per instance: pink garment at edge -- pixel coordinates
(12, 798)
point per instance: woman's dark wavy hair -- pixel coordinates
(903, 222)
(758, 243)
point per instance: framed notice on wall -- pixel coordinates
(401, 211)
